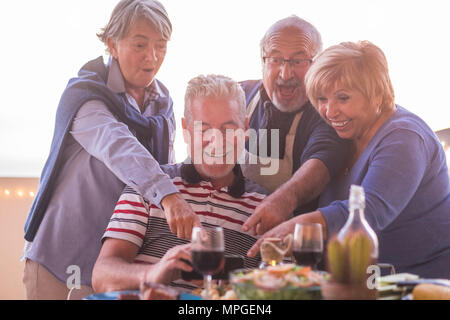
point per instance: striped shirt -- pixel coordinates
(137, 220)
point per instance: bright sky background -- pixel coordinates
(44, 44)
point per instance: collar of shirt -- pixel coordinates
(116, 83)
(191, 176)
(273, 118)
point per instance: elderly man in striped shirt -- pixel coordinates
(138, 243)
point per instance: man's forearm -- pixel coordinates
(114, 274)
(305, 185)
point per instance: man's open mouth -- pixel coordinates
(216, 155)
(287, 92)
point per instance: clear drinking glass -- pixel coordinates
(308, 244)
(207, 252)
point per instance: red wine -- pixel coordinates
(307, 258)
(208, 262)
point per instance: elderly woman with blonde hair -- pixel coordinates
(395, 156)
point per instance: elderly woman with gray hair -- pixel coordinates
(395, 156)
(114, 127)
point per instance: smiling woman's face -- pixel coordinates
(349, 112)
(140, 54)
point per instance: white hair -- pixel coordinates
(215, 86)
(302, 26)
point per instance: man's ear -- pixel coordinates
(112, 46)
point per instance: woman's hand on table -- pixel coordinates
(278, 232)
(288, 227)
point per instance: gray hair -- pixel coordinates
(302, 25)
(127, 12)
(213, 86)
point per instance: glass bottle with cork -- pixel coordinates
(351, 252)
(357, 225)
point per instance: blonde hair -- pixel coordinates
(215, 86)
(361, 66)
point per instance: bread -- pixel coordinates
(426, 291)
(158, 294)
(157, 291)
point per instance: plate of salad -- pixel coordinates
(280, 282)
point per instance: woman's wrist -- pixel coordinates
(314, 217)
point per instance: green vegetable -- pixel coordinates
(348, 260)
(247, 291)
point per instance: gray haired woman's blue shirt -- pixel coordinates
(101, 156)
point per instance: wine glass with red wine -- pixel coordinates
(207, 252)
(308, 244)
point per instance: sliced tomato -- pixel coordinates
(280, 269)
(303, 271)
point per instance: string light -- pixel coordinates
(19, 193)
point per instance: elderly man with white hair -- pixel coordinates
(138, 244)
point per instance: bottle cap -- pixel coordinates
(357, 197)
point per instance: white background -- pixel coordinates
(44, 43)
